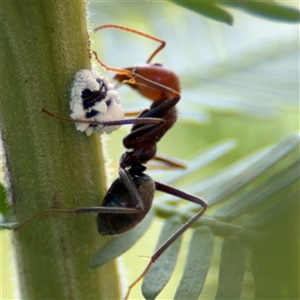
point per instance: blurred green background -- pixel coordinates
(239, 82)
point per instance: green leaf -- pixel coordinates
(240, 174)
(160, 272)
(207, 9)
(222, 179)
(118, 245)
(205, 157)
(197, 264)
(219, 228)
(270, 10)
(254, 197)
(284, 206)
(232, 268)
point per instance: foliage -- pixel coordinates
(216, 9)
(239, 106)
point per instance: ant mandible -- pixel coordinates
(130, 196)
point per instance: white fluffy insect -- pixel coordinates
(93, 98)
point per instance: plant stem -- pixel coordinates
(49, 163)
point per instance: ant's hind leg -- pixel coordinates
(175, 192)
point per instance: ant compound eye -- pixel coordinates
(91, 94)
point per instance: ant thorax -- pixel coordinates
(94, 98)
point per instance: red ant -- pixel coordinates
(130, 196)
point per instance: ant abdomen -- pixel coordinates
(132, 204)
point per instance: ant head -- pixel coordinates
(140, 78)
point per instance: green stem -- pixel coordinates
(50, 164)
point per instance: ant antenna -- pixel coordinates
(150, 37)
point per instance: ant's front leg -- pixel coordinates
(106, 123)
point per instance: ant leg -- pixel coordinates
(84, 210)
(137, 200)
(42, 213)
(171, 163)
(160, 47)
(125, 176)
(131, 113)
(107, 123)
(175, 192)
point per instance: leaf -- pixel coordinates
(210, 10)
(219, 228)
(237, 176)
(265, 217)
(231, 173)
(254, 197)
(160, 272)
(270, 10)
(197, 264)
(120, 244)
(202, 159)
(232, 268)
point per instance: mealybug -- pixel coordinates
(94, 98)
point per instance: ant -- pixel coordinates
(130, 196)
